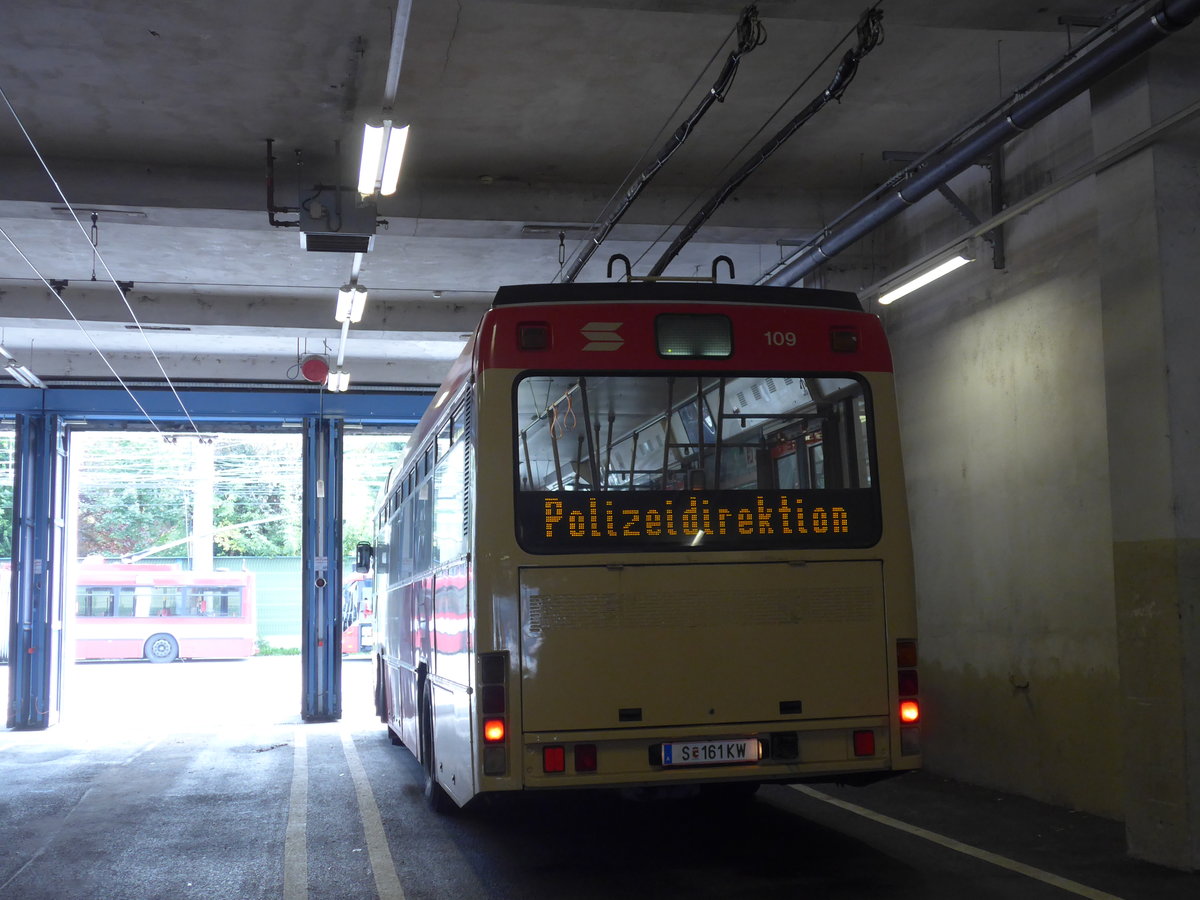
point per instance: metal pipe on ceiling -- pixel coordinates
(1150, 27)
(396, 51)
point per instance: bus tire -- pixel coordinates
(161, 648)
(380, 695)
(436, 797)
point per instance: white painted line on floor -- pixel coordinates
(295, 845)
(387, 882)
(995, 859)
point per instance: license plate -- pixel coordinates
(710, 753)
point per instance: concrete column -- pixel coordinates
(203, 479)
(1149, 233)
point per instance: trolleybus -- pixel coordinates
(652, 535)
(358, 626)
(162, 613)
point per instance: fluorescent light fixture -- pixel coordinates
(382, 153)
(338, 381)
(924, 278)
(352, 300)
(23, 376)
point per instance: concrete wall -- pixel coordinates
(1002, 397)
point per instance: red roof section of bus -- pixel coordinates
(769, 339)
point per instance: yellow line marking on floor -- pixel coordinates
(995, 859)
(295, 845)
(387, 882)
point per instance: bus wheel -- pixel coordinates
(162, 648)
(436, 797)
(380, 696)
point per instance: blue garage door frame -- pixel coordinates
(44, 420)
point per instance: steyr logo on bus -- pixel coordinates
(575, 520)
(602, 335)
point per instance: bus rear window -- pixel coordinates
(654, 461)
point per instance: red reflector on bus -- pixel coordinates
(906, 654)
(585, 757)
(493, 730)
(910, 712)
(554, 759)
(533, 336)
(864, 743)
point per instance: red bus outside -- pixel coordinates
(358, 625)
(162, 613)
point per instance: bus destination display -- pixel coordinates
(579, 521)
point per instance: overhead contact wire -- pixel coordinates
(99, 352)
(99, 256)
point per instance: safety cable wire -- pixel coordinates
(99, 352)
(104, 264)
(870, 36)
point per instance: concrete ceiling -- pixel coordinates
(526, 118)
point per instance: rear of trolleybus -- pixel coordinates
(691, 562)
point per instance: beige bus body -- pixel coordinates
(794, 650)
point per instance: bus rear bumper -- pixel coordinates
(850, 749)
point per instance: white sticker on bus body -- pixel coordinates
(708, 753)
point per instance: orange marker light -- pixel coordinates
(493, 731)
(909, 711)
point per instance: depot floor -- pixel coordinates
(199, 779)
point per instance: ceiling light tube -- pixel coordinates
(24, 376)
(382, 154)
(352, 300)
(338, 381)
(924, 278)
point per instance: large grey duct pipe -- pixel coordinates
(1149, 28)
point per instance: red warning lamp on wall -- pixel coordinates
(314, 368)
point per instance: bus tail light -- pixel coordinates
(493, 699)
(554, 758)
(493, 708)
(864, 743)
(908, 686)
(585, 757)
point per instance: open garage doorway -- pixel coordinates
(182, 586)
(182, 597)
(198, 538)
(367, 460)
